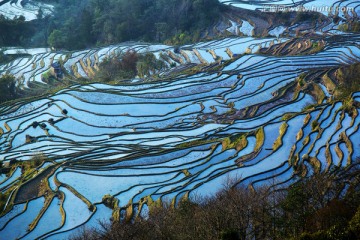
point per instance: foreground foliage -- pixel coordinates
(314, 208)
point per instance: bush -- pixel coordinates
(109, 201)
(354, 224)
(16, 31)
(148, 64)
(320, 235)
(302, 16)
(3, 57)
(349, 81)
(119, 67)
(314, 124)
(343, 27)
(37, 160)
(7, 88)
(231, 234)
(350, 27)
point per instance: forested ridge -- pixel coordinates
(86, 23)
(111, 21)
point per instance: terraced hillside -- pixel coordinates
(331, 7)
(253, 110)
(28, 9)
(30, 71)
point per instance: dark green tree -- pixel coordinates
(7, 88)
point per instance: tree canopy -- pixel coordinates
(7, 88)
(87, 22)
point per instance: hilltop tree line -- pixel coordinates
(85, 23)
(316, 208)
(88, 22)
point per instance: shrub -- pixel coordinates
(314, 124)
(350, 27)
(343, 27)
(349, 81)
(354, 224)
(109, 201)
(230, 234)
(7, 88)
(148, 64)
(37, 160)
(119, 67)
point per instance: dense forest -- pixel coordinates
(15, 32)
(111, 21)
(85, 23)
(315, 208)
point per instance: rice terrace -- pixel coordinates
(106, 125)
